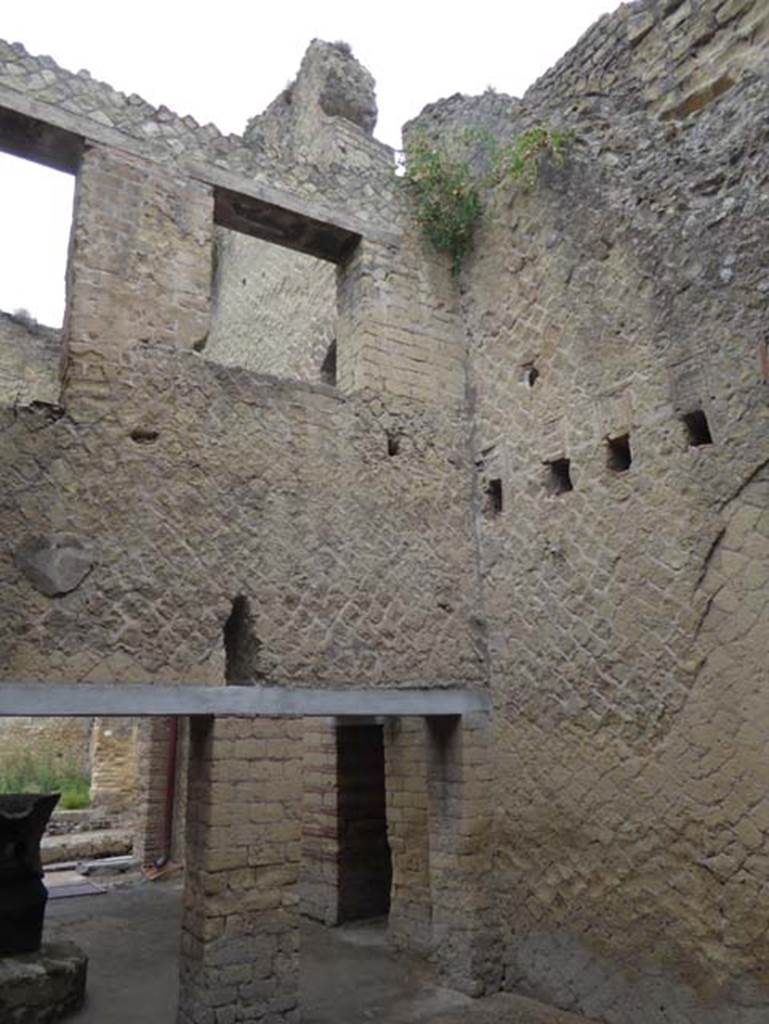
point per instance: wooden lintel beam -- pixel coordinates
(36, 140)
(283, 226)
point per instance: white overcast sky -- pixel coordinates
(224, 61)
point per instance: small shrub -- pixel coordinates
(446, 187)
(448, 202)
(519, 161)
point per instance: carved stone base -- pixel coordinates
(41, 987)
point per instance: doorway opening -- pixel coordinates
(365, 866)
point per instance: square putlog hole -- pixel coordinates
(697, 428)
(618, 454)
(328, 366)
(558, 476)
(393, 443)
(492, 503)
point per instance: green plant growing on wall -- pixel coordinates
(447, 189)
(446, 194)
(519, 161)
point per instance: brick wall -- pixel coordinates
(274, 310)
(240, 938)
(139, 270)
(602, 844)
(631, 280)
(114, 763)
(63, 741)
(319, 878)
(408, 832)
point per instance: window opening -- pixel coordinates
(36, 213)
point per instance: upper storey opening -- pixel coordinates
(36, 201)
(35, 240)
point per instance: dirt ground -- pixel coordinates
(130, 934)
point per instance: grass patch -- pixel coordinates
(45, 772)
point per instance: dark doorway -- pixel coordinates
(365, 869)
(241, 647)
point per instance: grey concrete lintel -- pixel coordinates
(141, 700)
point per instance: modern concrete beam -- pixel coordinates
(139, 700)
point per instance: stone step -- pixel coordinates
(42, 986)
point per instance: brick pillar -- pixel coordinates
(139, 269)
(410, 919)
(465, 935)
(399, 329)
(152, 760)
(319, 877)
(240, 929)
(113, 764)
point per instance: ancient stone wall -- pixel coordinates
(408, 830)
(240, 937)
(215, 484)
(613, 311)
(319, 871)
(30, 362)
(669, 57)
(50, 741)
(550, 476)
(114, 764)
(345, 170)
(178, 532)
(174, 519)
(273, 310)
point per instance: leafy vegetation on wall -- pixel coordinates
(447, 190)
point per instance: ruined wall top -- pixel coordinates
(318, 146)
(670, 57)
(331, 87)
(664, 58)
(330, 82)
(314, 142)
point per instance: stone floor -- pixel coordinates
(348, 976)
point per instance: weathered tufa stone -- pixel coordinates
(346, 87)
(54, 564)
(38, 988)
(330, 81)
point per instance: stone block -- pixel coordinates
(42, 987)
(54, 564)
